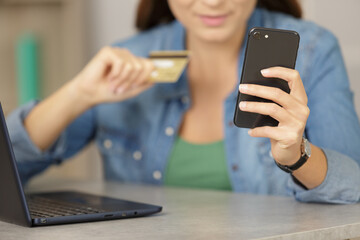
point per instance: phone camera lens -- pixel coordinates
(257, 35)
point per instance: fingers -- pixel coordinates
(272, 93)
(108, 62)
(117, 66)
(271, 109)
(126, 70)
(287, 101)
(295, 102)
(131, 92)
(288, 74)
(138, 76)
(148, 68)
(130, 75)
(292, 77)
(140, 88)
(113, 69)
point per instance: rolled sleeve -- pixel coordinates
(333, 125)
(24, 149)
(30, 159)
(341, 184)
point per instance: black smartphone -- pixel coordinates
(265, 48)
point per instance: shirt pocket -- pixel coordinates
(122, 154)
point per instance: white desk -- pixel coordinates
(201, 214)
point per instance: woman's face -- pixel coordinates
(213, 20)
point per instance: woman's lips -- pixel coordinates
(213, 21)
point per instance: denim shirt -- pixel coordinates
(135, 137)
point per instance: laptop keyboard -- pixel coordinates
(41, 207)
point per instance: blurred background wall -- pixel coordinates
(70, 32)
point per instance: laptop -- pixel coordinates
(50, 208)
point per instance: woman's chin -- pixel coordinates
(215, 36)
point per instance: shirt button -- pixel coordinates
(107, 144)
(169, 131)
(137, 155)
(230, 123)
(185, 99)
(234, 167)
(157, 175)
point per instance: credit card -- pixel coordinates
(169, 65)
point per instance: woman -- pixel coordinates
(182, 134)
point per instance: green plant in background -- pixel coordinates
(27, 59)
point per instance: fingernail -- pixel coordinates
(243, 87)
(265, 71)
(249, 132)
(242, 105)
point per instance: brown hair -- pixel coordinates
(153, 12)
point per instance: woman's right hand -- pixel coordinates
(114, 74)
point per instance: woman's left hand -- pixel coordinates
(292, 113)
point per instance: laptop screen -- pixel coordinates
(13, 207)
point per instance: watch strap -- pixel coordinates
(305, 154)
(295, 166)
(298, 182)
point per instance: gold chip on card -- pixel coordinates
(169, 65)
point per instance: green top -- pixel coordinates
(198, 166)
